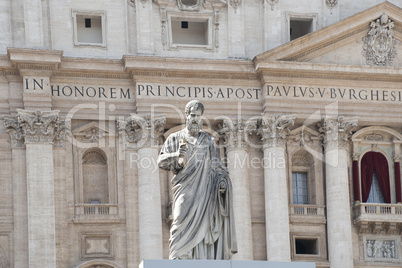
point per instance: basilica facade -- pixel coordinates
(303, 99)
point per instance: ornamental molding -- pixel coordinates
(336, 131)
(331, 3)
(195, 7)
(235, 3)
(379, 46)
(140, 131)
(272, 3)
(373, 137)
(37, 127)
(301, 159)
(236, 132)
(275, 129)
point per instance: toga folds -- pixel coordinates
(203, 221)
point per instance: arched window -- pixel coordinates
(375, 178)
(95, 177)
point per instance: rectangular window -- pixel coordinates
(89, 28)
(300, 27)
(300, 188)
(306, 246)
(189, 32)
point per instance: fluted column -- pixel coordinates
(142, 134)
(339, 225)
(274, 130)
(235, 133)
(39, 130)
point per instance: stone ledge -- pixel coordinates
(222, 264)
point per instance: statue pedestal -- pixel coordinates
(222, 264)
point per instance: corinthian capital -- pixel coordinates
(141, 130)
(236, 131)
(336, 131)
(36, 126)
(274, 129)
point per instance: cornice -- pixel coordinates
(190, 68)
(328, 71)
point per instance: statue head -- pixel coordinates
(194, 110)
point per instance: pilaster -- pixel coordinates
(236, 133)
(274, 131)
(336, 133)
(236, 34)
(141, 133)
(145, 31)
(38, 130)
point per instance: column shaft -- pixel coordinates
(41, 205)
(149, 205)
(237, 166)
(131, 196)
(20, 209)
(276, 204)
(338, 209)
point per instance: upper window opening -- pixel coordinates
(190, 32)
(300, 27)
(95, 177)
(89, 28)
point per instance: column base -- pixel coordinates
(222, 264)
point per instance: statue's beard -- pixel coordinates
(193, 126)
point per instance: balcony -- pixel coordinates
(88, 213)
(376, 218)
(307, 213)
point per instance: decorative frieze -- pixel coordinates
(37, 126)
(336, 131)
(236, 132)
(379, 46)
(274, 129)
(380, 249)
(141, 130)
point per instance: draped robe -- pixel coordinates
(203, 221)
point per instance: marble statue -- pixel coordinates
(203, 221)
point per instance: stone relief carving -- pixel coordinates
(235, 3)
(331, 3)
(14, 129)
(336, 131)
(141, 130)
(302, 138)
(373, 137)
(274, 129)
(189, 5)
(380, 249)
(300, 159)
(379, 46)
(94, 157)
(236, 132)
(37, 126)
(272, 3)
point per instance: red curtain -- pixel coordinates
(356, 184)
(398, 193)
(375, 161)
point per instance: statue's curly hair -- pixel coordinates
(196, 104)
